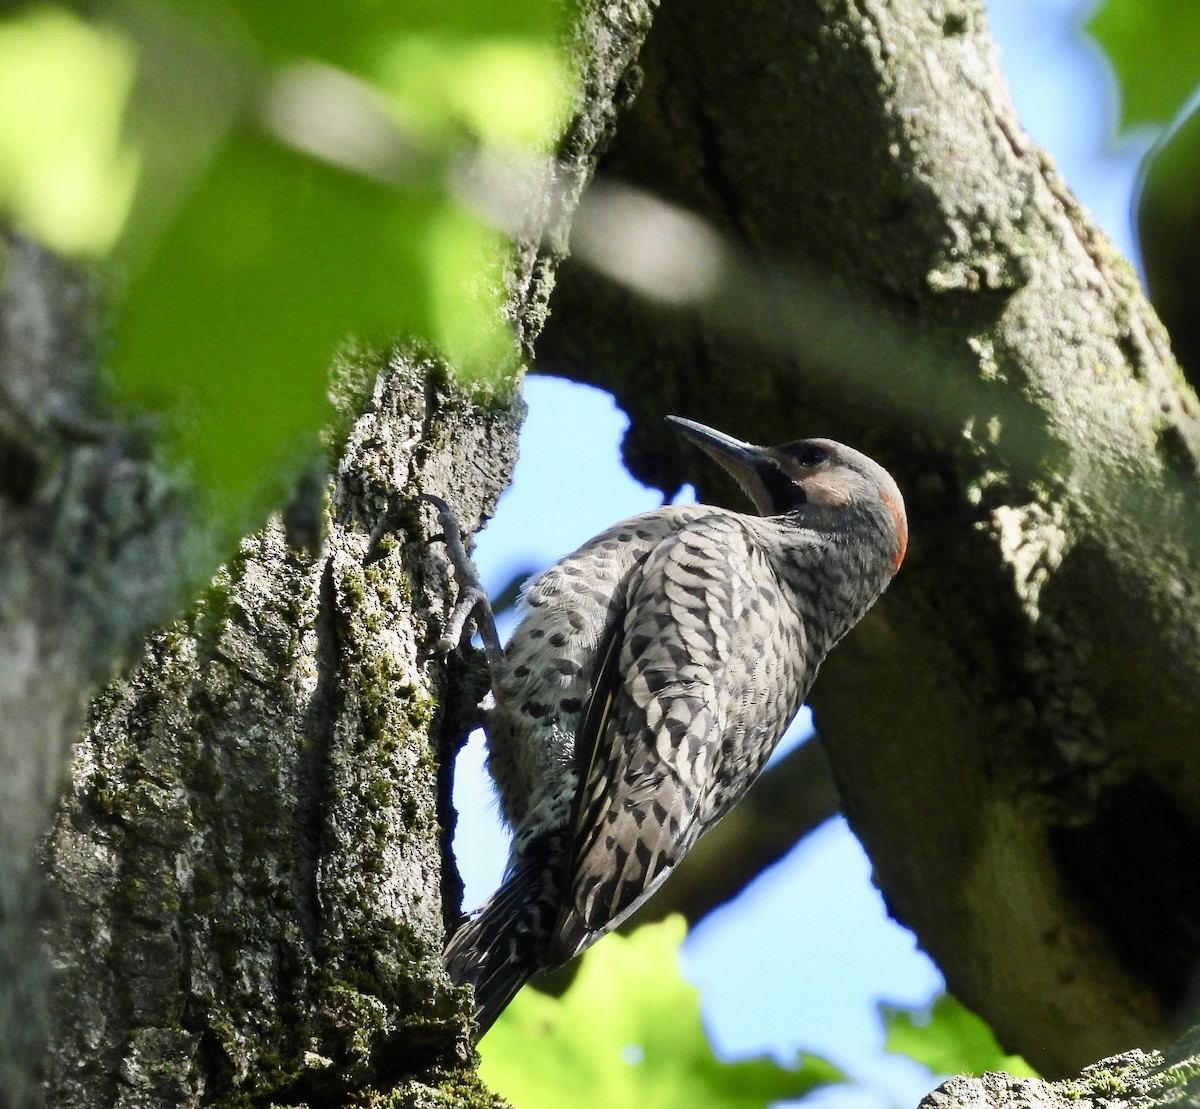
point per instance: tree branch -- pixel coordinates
(1136, 1078)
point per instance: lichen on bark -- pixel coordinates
(249, 860)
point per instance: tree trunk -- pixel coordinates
(249, 859)
(90, 542)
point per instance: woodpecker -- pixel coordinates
(651, 677)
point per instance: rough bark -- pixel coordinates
(90, 542)
(1012, 729)
(1136, 1079)
(249, 857)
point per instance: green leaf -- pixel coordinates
(66, 174)
(506, 91)
(269, 181)
(628, 1032)
(232, 325)
(1154, 47)
(295, 187)
(354, 33)
(949, 1039)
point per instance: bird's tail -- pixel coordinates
(505, 942)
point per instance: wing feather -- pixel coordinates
(687, 702)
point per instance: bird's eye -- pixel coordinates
(812, 456)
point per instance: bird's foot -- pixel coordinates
(472, 600)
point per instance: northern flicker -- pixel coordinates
(651, 677)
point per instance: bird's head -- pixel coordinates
(817, 479)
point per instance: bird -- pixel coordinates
(652, 674)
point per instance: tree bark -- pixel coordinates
(91, 538)
(1137, 1079)
(249, 859)
(1012, 729)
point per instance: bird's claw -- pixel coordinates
(472, 600)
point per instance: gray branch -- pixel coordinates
(1137, 1079)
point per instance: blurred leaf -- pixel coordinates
(949, 1039)
(1168, 224)
(1154, 47)
(234, 321)
(507, 91)
(354, 34)
(66, 176)
(628, 1032)
(297, 166)
(465, 265)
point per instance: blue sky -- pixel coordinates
(801, 959)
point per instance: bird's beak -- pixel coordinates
(743, 461)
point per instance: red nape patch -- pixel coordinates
(901, 530)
